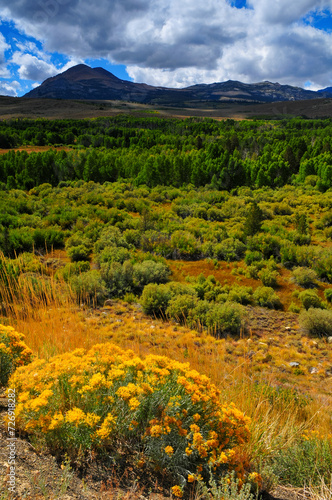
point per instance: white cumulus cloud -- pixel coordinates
(4, 72)
(9, 88)
(172, 43)
(32, 68)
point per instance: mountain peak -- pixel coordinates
(83, 82)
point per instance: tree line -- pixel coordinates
(154, 151)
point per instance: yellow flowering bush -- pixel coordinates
(110, 399)
(13, 352)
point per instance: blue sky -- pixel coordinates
(164, 42)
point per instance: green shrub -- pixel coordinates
(78, 253)
(132, 237)
(323, 265)
(88, 287)
(300, 239)
(29, 263)
(229, 249)
(198, 315)
(228, 488)
(72, 269)
(184, 245)
(149, 271)
(253, 270)
(252, 256)
(267, 244)
(113, 254)
(328, 294)
(176, 289)
(241, 294)
(294, 308)
(118, 277)
(48, 238)
(288, 255)
(155, 299)
(306, 256)
(328, 233)
(307, 461)
(110, 236)
(265, 296)
(224, 319)
(305, 277)
(19, 240)
(207, 288)
(268, 277)
(316, 322)
(180, 306)
(310, 298)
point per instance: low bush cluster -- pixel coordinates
(316, 322)
(312, 455)
(310, 299)
(182, 303)
(156, 411)
(305, 277)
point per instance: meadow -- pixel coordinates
(203, 247)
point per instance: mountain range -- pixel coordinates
(83, 82)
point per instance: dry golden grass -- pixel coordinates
(321, 492)
(11, 107)
(242, 368)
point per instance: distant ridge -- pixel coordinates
(328, 90)
(83, 82)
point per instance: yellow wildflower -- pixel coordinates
(57, 420)
(156, 430)
(106, 427)
(169, 450)
(91, 419)
(177, 491)
(75, 416)
(133, 403)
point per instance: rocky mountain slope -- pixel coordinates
(83, 82)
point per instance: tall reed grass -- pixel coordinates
(44, 309)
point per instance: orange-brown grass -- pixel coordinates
(56, 254)
(36, 149)
(227, 275)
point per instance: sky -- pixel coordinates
(172, 43)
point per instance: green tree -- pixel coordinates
(254, 219)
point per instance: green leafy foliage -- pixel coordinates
(266, 297)
(316, 322)
(88, 287)
(305, 277)
(310, 298)
(313, 459)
